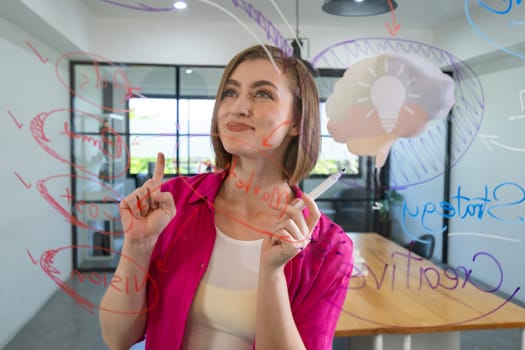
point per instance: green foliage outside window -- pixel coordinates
(325, 166)
(193, 166)
(140, 165)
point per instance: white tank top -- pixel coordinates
(222, 315)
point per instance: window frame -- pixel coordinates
(177, 95)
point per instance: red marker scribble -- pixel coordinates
(31, 257)
(47, 261)
(26, 185)
(18, 124)
(131, 94)
(110, 139)
(275, 198)
(122, 284)
(42, 59)
(266, 138)
(84, 82)
(121, 84)
(89, 210)
(242, 184)
(395, 26)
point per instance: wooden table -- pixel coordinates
(400, 294)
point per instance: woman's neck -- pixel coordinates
(256, 184)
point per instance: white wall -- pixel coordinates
(66, 26)
(488, 166)
(28, 222)
(486, 163)
(500, 73)
(484, 33)
(69, 18)
(153, 41)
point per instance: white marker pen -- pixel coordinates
(322, 187)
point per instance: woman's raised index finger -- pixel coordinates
(158, 174)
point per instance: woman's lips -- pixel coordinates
(238, 127)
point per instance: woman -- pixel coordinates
(233, 260)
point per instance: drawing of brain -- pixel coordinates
(382, 98)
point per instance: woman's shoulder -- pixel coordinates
(326, 260)
(332, 237)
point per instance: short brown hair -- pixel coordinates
(303, 150)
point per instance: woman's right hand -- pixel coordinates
(147, 211)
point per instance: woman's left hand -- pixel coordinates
(291, 234)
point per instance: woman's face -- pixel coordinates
(256, 110)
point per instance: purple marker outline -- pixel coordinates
(396, 326)
(469, 105)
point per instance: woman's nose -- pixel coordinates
(242, 106)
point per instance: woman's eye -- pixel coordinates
(264, 93)
(228, 93)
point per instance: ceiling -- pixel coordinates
(409, 14)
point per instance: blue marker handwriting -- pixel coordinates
(492, 204)
(499, 12)
(509, 28)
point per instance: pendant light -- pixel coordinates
(297, 44)
(358, 7)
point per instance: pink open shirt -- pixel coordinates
(317, 278)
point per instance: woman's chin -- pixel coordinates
(238, 147)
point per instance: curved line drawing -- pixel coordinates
(490, 140)
(508, 148)
(488, 8)
(211, 3)
(389, 325)
(466, 115)
(287, 24)
(47, 265)
(146, 8)
(486, 38)
(485, 235)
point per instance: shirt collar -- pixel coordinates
(207, 188)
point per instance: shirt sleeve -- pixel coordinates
(325, 272)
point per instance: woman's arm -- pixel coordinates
(123, 309)
(319, 294)
(144, 214)
(275, 325)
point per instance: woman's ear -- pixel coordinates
(294, 130)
